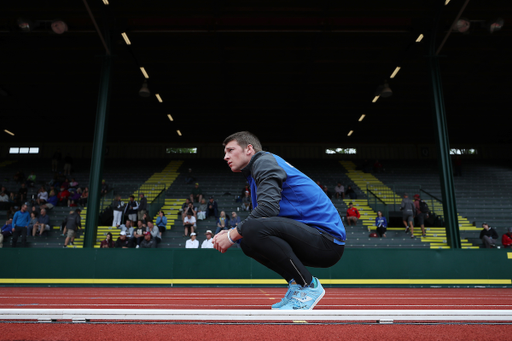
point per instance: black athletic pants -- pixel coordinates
(19, 230)
(287, 246)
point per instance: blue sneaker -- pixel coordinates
(305, 298)
(291, 289)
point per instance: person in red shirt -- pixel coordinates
(506, 239)
(63, 196)
(352, 215)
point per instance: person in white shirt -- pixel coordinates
(189, 223)
(192, 243)
(42, 196)
(208, 243)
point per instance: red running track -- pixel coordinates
(250, 298)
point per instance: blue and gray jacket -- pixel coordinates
(279, 189)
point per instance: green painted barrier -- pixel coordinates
(168, 267)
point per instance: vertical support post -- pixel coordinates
(443, 144)
(98, 150)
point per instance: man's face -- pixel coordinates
(122, 237)
(147, 236)
(23, 208)
(43, 212)
(139, 224)
(485, 226)
(237, 157)
(208, 236)
(193, 237)
(349, 206)
(127, 223)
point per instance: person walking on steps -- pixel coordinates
(292, 225)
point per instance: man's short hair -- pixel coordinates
(244, 138)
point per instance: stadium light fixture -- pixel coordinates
(446, 2)
(395, 72)
(362, 117)
(386, 91)
(170, 117)
(105, 2)
(420, 37)
(462, 25)
(350, 133)
(179, 132)
(375, 98)
(144, 91)
(126, 40)
(496, 25)
(144, 72)
(8, 132)
(158, 98)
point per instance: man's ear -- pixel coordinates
(249, 149)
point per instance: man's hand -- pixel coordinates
(221, 242)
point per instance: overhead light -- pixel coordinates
(59, 26)
(144, 91)
(395, 72)
(158, 98)
(419, 38)
(386, 91)
(446, 2)
(362, 117)
(350, 133)
(170, 117)
(144, 72)
(179, 132)
(126, 40)
(462, 25)
(8, 132)
(25, 24)
(375, 99)
(496, 25)
(106, 2)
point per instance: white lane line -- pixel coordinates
(254, 315)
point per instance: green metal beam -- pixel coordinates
(98, 150)
(443, 143)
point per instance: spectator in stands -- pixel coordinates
(104, 187)
(118, 209)
(189, 178)
(161, 222)
(43, 223)
(19, 177)
(42, 196)
(190, 208)
(31, 180)
(192, 243)
(63, 197)
(201, 210)
(74, 198)
(57, 156)
(65, 184)
(52, 201)
(183, 208)
(4, 200)
(138, 234)
(84, 197)
(73, 222)
(131, 208)
(155, 233)
(22, 194)
(247, 202)
(506, 239)
(148, 242)
(20, 224)
(352, 215)
(327, 192)
(127, 228)
(245, 190)
(234, 221)
(6, 230)
(108, 243)
(339, 191)
(350, 193)
(143, 206)
(489, 236)
(212, 210)
(381, 223)
(419, 206)
(197, 193)
(68, 164)
(208, 242)
(222, 222)
(319, 184)
(73, 183)
(377, 167)
(408, 211)
(189, 223)
(122, 242)
(33, 221)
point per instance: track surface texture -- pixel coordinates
(252, 298)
